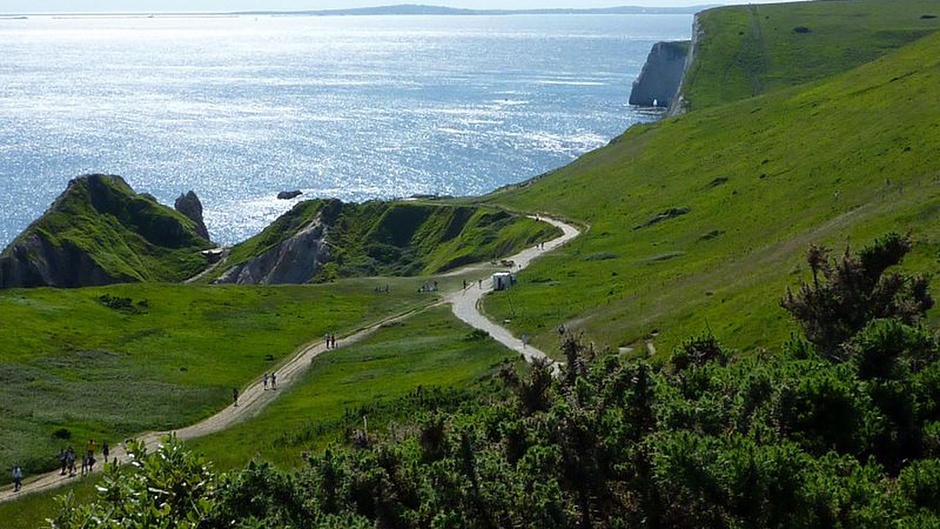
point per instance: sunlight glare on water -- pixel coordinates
(239, 108)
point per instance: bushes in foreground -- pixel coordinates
(824, 434)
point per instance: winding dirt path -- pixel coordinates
(466, 303)
(253, 398)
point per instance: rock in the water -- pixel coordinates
(190, 206)
(287, 195)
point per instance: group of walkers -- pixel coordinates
(272, 378)
(67, 458)
(331, 341)
(267, 380)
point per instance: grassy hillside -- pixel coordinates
(388, 378)
(105, 363)
(747, 51)
(702, 221)
(385, 379)
(130, 236)
(400, 238)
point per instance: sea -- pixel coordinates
(239, 108)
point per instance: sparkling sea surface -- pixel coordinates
(239, 108)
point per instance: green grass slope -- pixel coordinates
(400, 238)
(839, 162)
(101, 231)
(376, 379)
(109, 362)
(743, 52)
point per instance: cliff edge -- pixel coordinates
(659, 81)
(100, 231)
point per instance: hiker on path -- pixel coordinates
(70, 459)
(265, 381)
(17, 478)
(273, 380)
(235, 396)
(90, 448)
(105, 451)
(63, 460)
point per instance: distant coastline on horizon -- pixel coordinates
(394, 10)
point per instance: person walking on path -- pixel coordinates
(234, 396)
(70, 459)
(17, 478)
(63, 460)
(105, 451)
(265, 379)
(273, 380)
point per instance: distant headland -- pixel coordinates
(418, 9)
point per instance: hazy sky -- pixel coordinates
(78, 6)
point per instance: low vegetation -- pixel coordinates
(801, 438)
(429, 359)
(810, 399)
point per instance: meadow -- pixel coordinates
(110, 362)
(427, 361)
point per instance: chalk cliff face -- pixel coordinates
(298, 259)
(661, 77)
(100, 231)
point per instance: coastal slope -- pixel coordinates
(100, 231)
(322, 240)
(698, 221)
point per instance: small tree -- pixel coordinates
(848, 293)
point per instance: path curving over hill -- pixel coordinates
(254, 397)
(466, 303)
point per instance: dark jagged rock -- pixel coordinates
(288, 195)
(100, 231)
(661, 77)
(190, 205)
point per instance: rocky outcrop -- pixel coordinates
(297, 259)
(190, 206)
(659, 81)
(100, 231)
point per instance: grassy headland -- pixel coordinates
(701, 221)
(397, 238)
(748, 51)
(100, 231)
